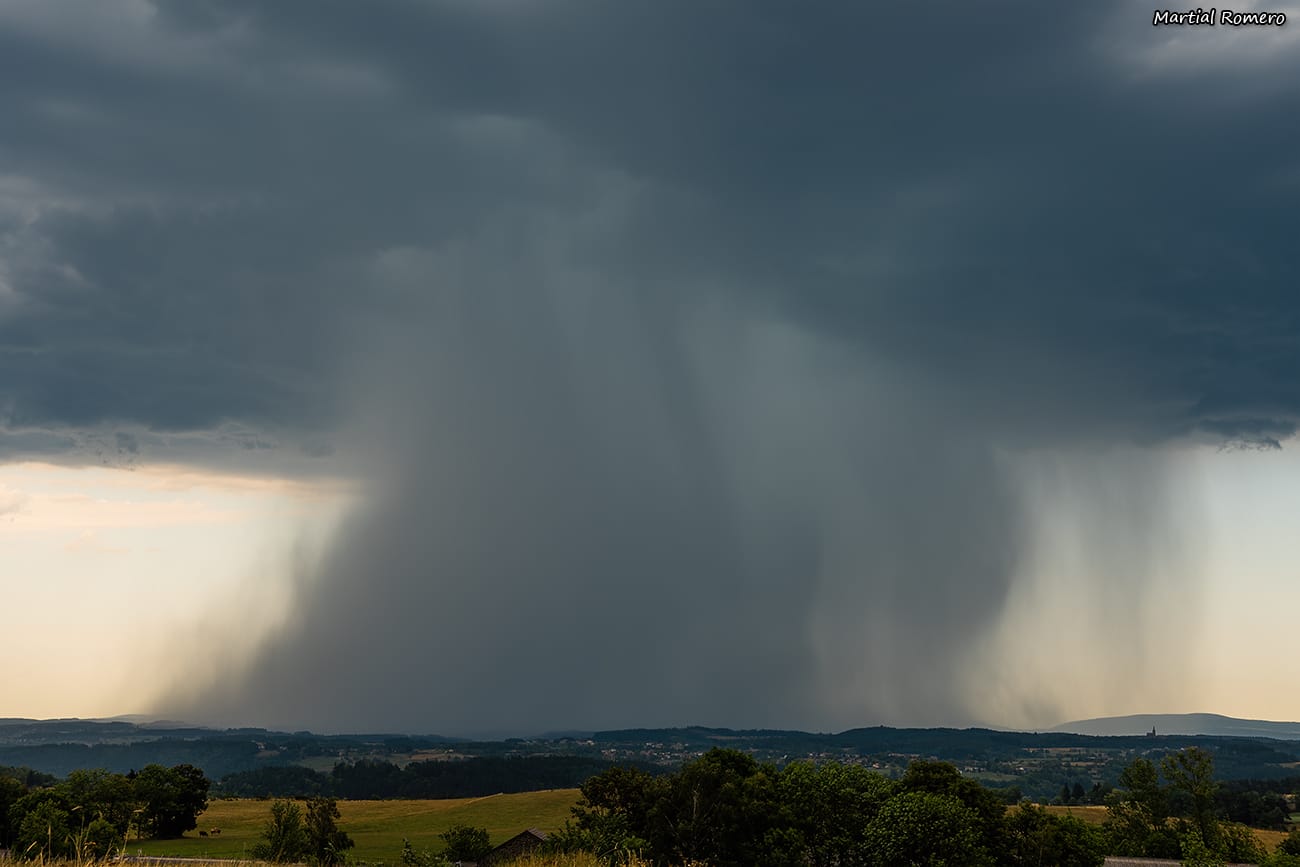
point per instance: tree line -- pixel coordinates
(728, 810)
(1176, 809)
(372, 778)
(91, 813)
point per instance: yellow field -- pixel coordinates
(377, 826)
(1091, 815)
(1097, 815)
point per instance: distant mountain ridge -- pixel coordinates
(1035, 763)
(1183, 724)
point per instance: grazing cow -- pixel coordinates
(215, 832)
(203, 833)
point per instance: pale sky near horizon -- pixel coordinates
(555, 364)
(106, 566)
(153, 552)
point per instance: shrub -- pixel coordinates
(466, 843)
(325, 842)
(412, 857)
(285, 838)
(43, 833)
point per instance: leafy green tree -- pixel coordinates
(941, 778)
(44, 832)
(718, 809)
(828, 807)
(325, 842)
(1194, 852)
(923, 829)
(10, 791)
(1239, 845)
(1039, 839)
(1137, 821)
(612, 817)
(171, 799)
(465, 843)
(1291, 845)
(284, 839)
(629, 792)
(98, 794)
(1191, 771)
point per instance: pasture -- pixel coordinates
(377, 827)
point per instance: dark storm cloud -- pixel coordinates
(682, 345)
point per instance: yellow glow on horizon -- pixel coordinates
(103, 566)
(117, 581)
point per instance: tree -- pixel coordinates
(284, 839)
(1191, 771)
(98, 794)
(1239, 845)
(44, 832)
(608, 836)
(923, 829)
(1138, 813)
(941, 778)
(1194, 852)
(325, 842)
(829, 806)
(10, 791)
(1039, 839)
(717, 809)
(171, 799)
(466, 843)
(625, 791)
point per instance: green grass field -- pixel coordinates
(377, 826)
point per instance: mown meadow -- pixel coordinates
(377, 827)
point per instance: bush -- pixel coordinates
(1194, 851)
(466, 843)
(1039, 838)
(1239, 845)
(605, 836)
(325, 842)
(412, 857)
(285, 838)
(98, 841)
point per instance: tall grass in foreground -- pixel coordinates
(579, 859)
(8, 861)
